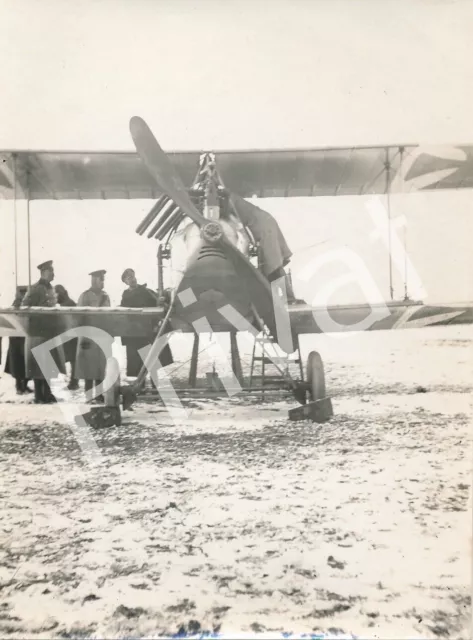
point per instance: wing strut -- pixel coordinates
(387, 166)
(28, 222)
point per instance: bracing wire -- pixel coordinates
(15, 220)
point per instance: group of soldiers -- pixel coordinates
(87, 358)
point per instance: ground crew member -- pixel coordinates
(138, 295)
(273, 251)
(70, 347)
(15, 362)
(91, 361)
(42, 294)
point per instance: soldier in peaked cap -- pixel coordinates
(46, 266)
(41, 294)
(91, 361)
(138, 295)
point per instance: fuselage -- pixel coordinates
(203, 279)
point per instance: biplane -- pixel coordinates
(223, 287)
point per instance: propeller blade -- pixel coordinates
(161, 169)
(270, 308)
(258, 287)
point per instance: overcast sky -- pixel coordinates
(213, 74)
(235, 73)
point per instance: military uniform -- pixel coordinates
(91, 361)
(41, 294)
(140, 296)
(273, 251)
(15, 360)
(70, 347)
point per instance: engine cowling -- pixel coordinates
(187, 241)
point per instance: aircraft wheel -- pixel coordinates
(112, 383)
(315, 376)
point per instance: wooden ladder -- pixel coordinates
(276, 361)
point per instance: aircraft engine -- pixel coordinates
(187, 241)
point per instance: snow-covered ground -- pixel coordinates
(239, 520)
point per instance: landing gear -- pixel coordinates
(109, 414)
(111, 384)
(315, 377)
(313, 387)
(319, 407)
(115, 391)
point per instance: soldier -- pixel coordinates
(273, 252)
(42, 294)
(15, 362)
(91, 361)
(138, 295)
(70, 347)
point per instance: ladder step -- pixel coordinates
(275, 360)
(265, 340)
(284, 363)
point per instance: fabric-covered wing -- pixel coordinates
(270, 173)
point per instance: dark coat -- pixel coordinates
(274, 253)
(70, 347)
(41, 294)
(91, 361)
(15, 360)
(141, 297)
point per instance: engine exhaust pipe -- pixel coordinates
(144, 224)
(165, 213)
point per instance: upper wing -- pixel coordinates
(270, 173)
